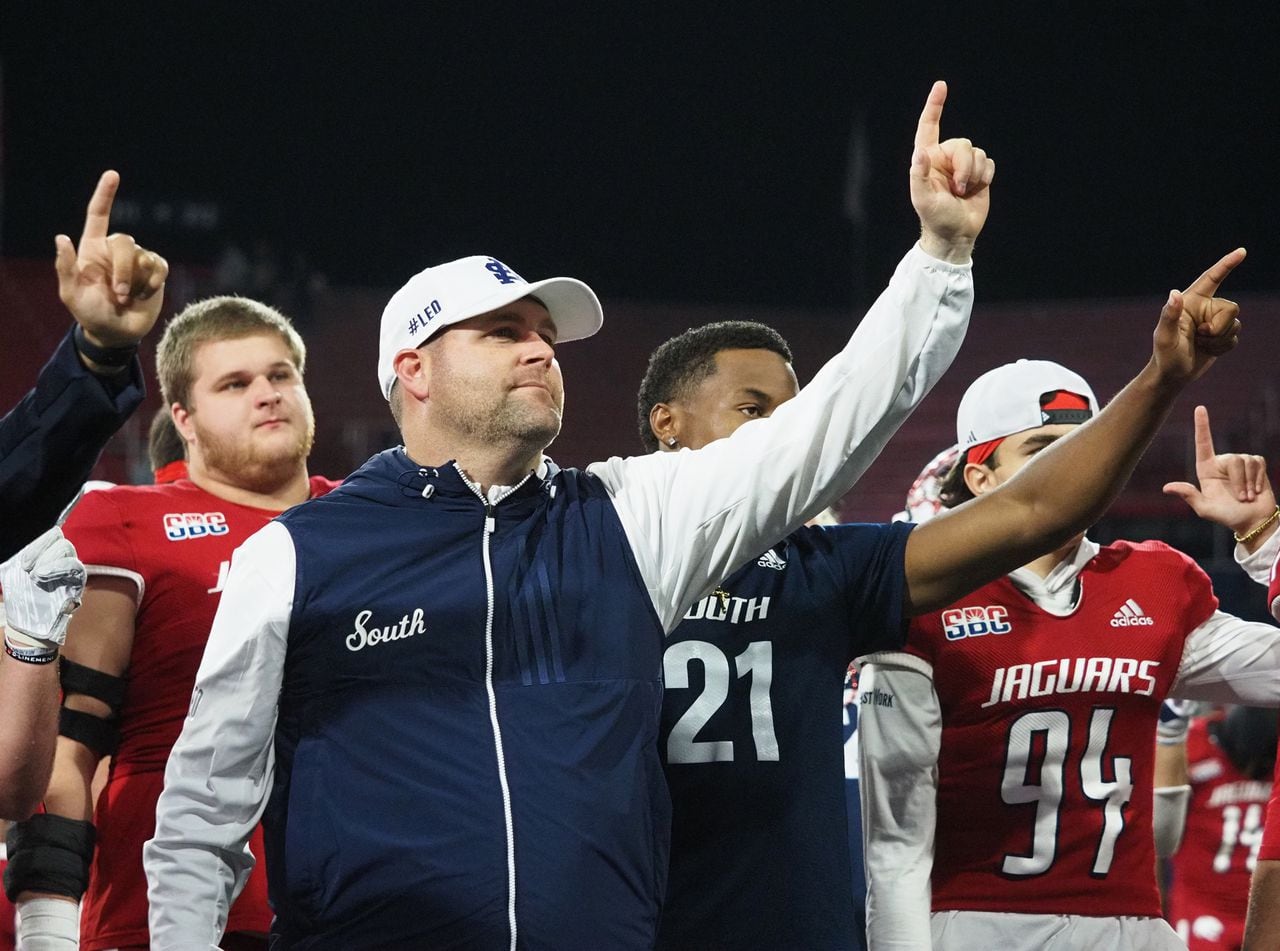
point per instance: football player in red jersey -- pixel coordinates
(231, 371)
(8, 917)
(1262, 928)
(166, 449)
(1249, 509)
(1007, 754)
(1230, 756)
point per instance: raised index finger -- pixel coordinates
(1208, 283)
(1204, 438)
(929, 127)
(98, 217)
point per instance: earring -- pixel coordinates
(671, 441)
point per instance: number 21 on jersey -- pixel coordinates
(756, 661)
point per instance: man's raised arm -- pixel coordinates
(1068, 486)
(51, 439)
(694, 516)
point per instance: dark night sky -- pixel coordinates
(684, 151)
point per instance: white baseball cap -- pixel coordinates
(1017, 397)
(448, 293)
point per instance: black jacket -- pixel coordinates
(50, 441)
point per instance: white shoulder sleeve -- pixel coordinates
(1258, 566)
(220, 771)
(1227, 660)
(693, 517)
(899, 736)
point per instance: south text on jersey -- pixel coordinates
(718, 607)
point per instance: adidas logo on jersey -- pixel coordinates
(1131, 615)
(771, 559)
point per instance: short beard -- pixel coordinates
(510, 423)
(245, 465)
(505, 421)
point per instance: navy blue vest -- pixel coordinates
(385, 827)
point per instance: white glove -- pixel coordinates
(42, 587)
(1175, 720)
(48, 924)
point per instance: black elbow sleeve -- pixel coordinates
(49, 853)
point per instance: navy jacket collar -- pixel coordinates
(392, 478)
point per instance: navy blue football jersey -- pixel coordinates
(753, 744)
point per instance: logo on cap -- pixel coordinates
(420, 320)
(1063, 406)
(503, 273)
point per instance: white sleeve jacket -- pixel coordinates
(1224, 660)
(1258, 566)
(689, 518)
(692, 518)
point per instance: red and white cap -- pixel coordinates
(1016, 397)
(458, 290)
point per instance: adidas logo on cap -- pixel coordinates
(1131, 615)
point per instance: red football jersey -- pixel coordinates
(1270, 849)
(1273, 590)
(1211, 869)
(175, 541)
(1048, 735)
(7, 925)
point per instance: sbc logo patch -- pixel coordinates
(179, 526)
(959, 623)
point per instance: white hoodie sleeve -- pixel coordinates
(693, 517)
(1230, 660)
(1260, 564)
(219, 773)
(899, 738)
